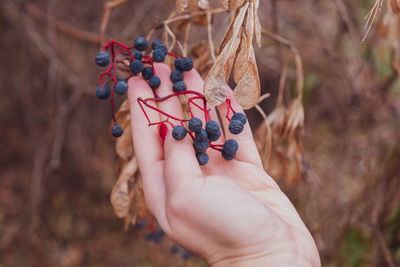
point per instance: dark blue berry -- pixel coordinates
(212, 127)
(202, 158)
(179, 87)
(156, 43)
(121, 87)
(214, 137)
(140, 224)
(102, 59)
(159, 55)
(179, 132)
(187, 64)
(163, 48)
(195, 125)
(240, 116)
(200, 146)
(230, 147)
(178, 63)
(236, 126)
(138, 55)
(116, 131)
(183, 64)
(201, 135)
(227, 157)
(187, 255)
(103, 92)
(154, 82)
(158, 236)
(149, 236)
(175, 249)
(141, 44)
(176, 76)
(137, 66)
(147, 73)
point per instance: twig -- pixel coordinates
(384, 248)
(80, 34)
(297, 58)
(108, 6)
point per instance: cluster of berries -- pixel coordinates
(203, 138)
(137, 60)
(142, 64)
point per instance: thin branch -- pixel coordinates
(297, 58)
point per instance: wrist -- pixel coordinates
(283, 259)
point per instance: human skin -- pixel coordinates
(228, 212)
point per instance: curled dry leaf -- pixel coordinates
(203, 4)
(124, 145)
(243, 53)
(224, 3)
(193, 5)
(122, 192)
(216, 80)
(201, 57)
(181, 5)
(248, 89)
(237, 56)
(235, 4)
(294, 117)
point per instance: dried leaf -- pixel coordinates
(228, 34)
(248, 89)
(203, 4)
(242, 57)
(121, 194)
(201, 57)
(294, 117)
(235, 4)
(223, 4)
(124, 145)
(192, 5)
(257, 28)
(215, 85)
(181, 5)
(235, 27)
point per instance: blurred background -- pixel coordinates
(58, 162)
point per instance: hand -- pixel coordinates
(228, 212)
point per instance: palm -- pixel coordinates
(223, 209)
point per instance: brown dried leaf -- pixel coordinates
(247, 91)
(181, 5)
(124, 144)
(203, 4)
(215, 85)
(242, 57)
(201, 57)
(215, 82)
(294, 117)
(235, 4)
(224, 3)
(257, 27)
(235, 26)
(192, 5)
(228, 34)
(121, 194)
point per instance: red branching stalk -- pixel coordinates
(117, 48)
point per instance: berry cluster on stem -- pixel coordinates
(142, 64)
